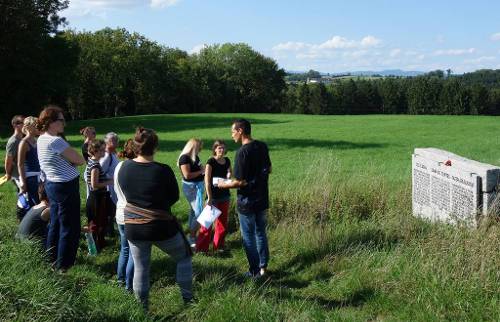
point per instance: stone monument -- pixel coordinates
(447, 187)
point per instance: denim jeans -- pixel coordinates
(64, 226)
(193, 191)
(253, 232)
(125, 269)
(177, 248)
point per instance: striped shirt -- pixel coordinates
(91, 165)
(52, 163)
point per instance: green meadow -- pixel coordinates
(344, 245)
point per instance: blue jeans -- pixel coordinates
(64, 226)
(125, 269)
(177, 249)
(253, 232)
(193, 191)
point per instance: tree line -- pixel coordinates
(426, 94)
(113, 72)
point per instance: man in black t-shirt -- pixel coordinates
(252, 167)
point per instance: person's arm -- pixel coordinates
(235, 184)
(172, 187)
(72, 156)
(8, 166)
(208, 183)
(21, 158)
(94, 180)
(187, 174)
(9, 160)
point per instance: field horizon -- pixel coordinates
(343, 242)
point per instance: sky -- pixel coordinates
(328, 36)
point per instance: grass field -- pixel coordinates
(343, 243)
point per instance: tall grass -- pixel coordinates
(344, 245)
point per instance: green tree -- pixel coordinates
(318, 99)
(34, 61)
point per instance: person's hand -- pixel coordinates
(8, 177)
(23, 187)
(221, 184)
(209, 202)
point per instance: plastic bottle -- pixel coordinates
(91, 244)
(23, 201)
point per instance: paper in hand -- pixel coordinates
(208, 216)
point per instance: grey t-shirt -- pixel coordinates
(12, 145)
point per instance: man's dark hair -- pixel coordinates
(145, 141)
(244, 125)
(17, 120)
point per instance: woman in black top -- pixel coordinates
(218, 168)
(192, 183)
(150, 189)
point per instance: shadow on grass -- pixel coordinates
(356, 299)
(288, 143)
(163, 123)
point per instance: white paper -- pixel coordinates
(208, 216)
(215, 181)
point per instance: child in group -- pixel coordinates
(218, 167)
(97, 212)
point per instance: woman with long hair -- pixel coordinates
(151, 189)
(218, 167)
(192, 183)
(59, 161)
(27, 161)
(88, 133)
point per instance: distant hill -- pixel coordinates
(387, 72)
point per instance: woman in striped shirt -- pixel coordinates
(58, 161)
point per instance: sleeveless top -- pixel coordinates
(31, 164)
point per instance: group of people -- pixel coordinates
(139, 192)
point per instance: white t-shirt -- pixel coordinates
(121, 201)
(108, 164)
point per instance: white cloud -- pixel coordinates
(196, 49)
(454, 52)
(370, 41)
(395, 52)
(101, 7)
(496, 36)
(290, 46)
(479, 60)
(338, 42)
(163, 3)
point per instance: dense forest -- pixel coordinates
(114, 72)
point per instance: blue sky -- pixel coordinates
(329, 36)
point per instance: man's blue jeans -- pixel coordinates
(64, 226)
(253, 232)
(125, 269)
